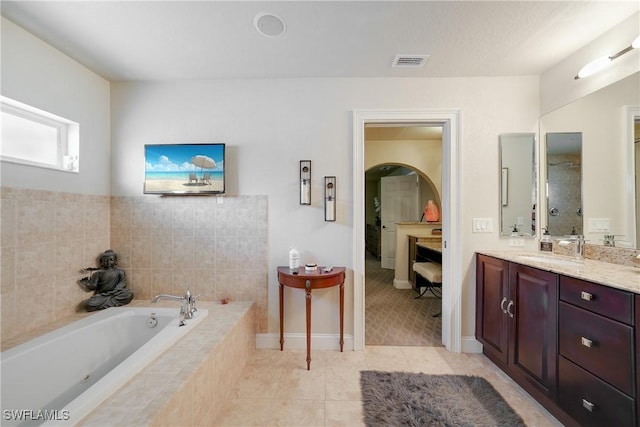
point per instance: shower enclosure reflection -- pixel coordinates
(564, 183)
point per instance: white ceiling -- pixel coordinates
(167, 40)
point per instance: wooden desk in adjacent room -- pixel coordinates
(308, 281)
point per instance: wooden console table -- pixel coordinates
(308, 281)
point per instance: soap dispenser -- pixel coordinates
(546, 245)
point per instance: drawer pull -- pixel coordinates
(504, 310)
(586, 342)
(586, 296)
(509, 308)
(588, 405)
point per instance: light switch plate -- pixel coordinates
(482, 225)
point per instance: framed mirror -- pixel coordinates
(518, 184)
(564, 183)
(606, 120)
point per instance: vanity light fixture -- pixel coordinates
(305, 182)
(603, 62)
(329, 198)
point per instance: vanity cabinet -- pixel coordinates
(516, 318)
(492, 296)
(568, 342)
(597, 382)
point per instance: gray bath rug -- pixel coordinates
(408, 399)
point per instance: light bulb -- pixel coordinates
(636, 43)
(594, 66)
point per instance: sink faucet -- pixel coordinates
(187, 308)
(578, 246)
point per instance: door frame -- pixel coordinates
(451, 221)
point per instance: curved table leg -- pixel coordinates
(341, 316)
(308, 298)
(281, 316)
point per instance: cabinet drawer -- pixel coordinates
(591, 401)
(610, 302)
(600, 345)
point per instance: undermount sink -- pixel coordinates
(550, 260)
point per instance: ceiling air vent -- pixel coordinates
(410, 61)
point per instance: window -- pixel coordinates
(34, 137)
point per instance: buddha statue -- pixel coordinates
(109, 284)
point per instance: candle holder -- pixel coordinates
(305, 182)
(329, 198)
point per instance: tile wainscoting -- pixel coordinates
(215, 245)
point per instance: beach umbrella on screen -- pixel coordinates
(203, 162)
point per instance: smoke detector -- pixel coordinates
(410, 61)
(269, 25)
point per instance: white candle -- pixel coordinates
(330, 210)
(305, 192)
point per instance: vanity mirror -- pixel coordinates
(518, 184)
(605, 119)
(564, 183)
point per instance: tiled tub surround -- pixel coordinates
(217, 246)
(606, 273)
(188, 383)
(46, 238)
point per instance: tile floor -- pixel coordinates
(277, 390)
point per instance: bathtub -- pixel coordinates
(58, 378)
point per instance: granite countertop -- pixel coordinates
(613, 275)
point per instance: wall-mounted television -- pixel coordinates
(196, 168)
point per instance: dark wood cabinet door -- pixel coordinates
(637, 351)
(492, 298)
(533, 332)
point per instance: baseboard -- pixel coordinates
(299, 341)
(470, 344)
(402, 284)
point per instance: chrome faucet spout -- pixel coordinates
(165, 296)
(187, 307)
(579, 247)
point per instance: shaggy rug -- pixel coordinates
(408, 399)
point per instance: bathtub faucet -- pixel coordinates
(187, 308)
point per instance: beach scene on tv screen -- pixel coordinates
(177, 168)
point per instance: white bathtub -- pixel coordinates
(58, 378)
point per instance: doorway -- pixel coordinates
(395, 315)
(451, 299)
